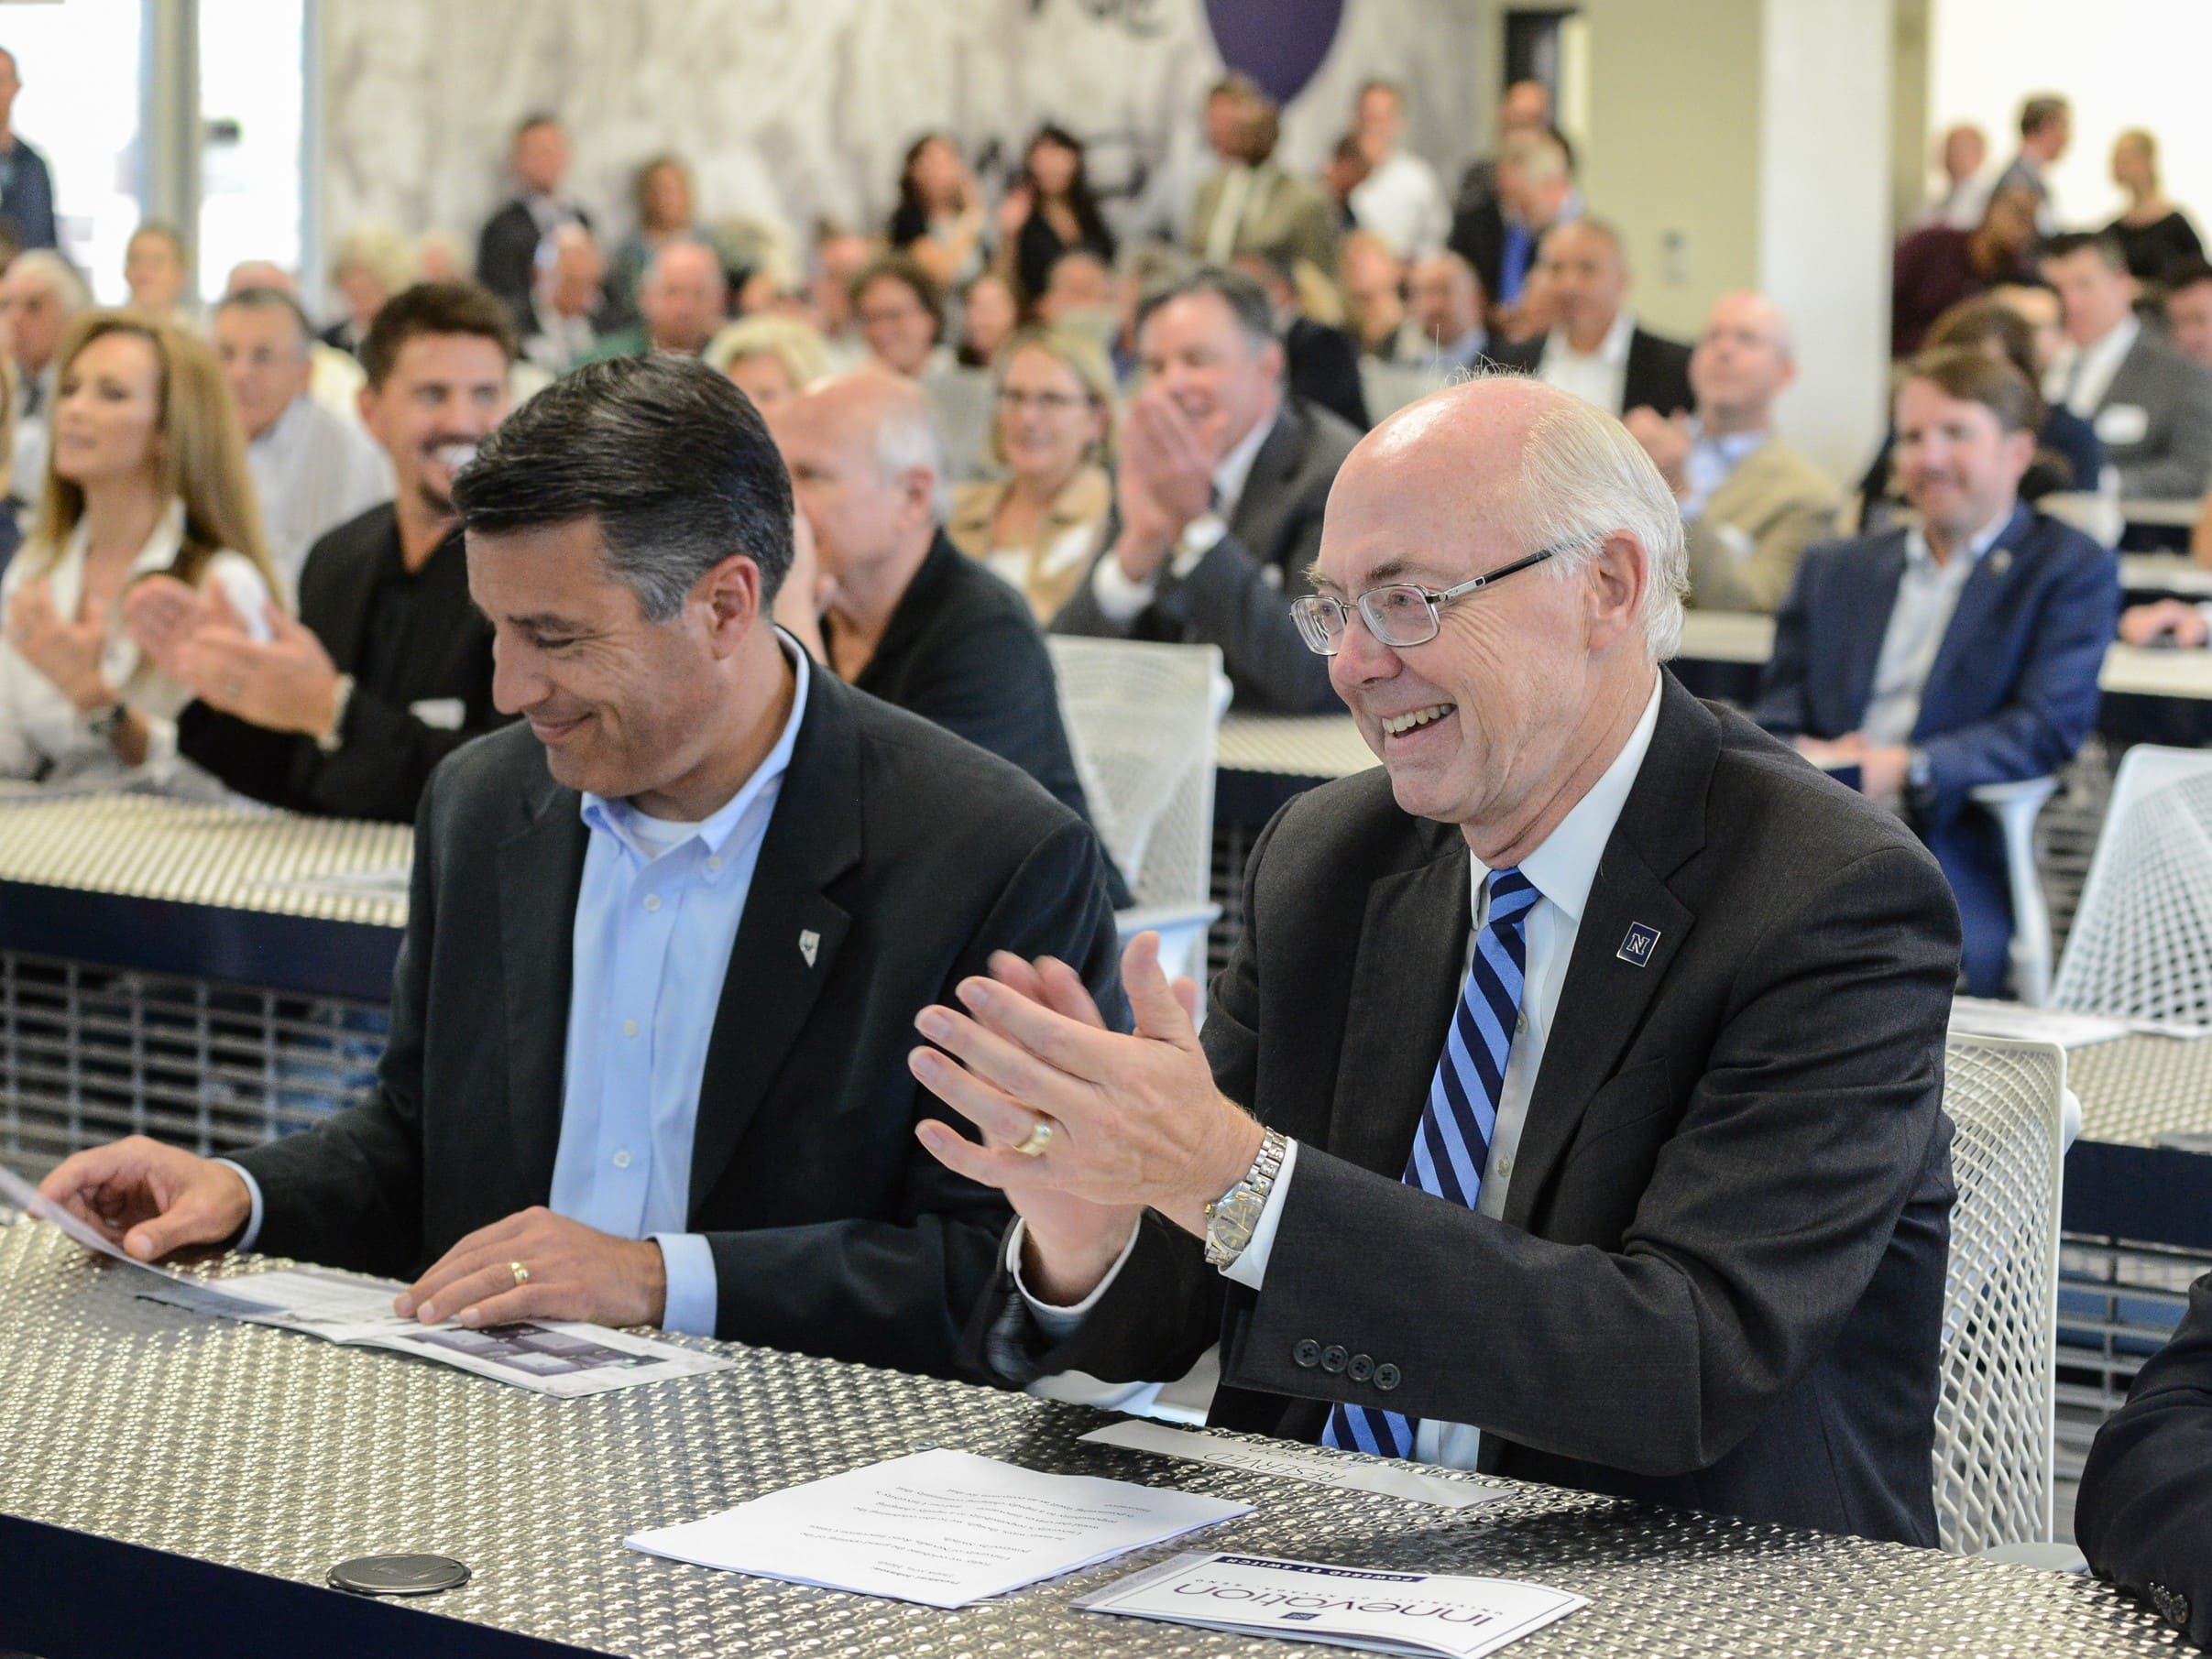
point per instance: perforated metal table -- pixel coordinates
(148, 1456)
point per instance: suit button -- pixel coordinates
(1334, 1358)
(1307, 1354)
(1386, 1377)
(1361, 1369)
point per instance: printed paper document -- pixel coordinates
(1419, 1613)
(1295, 1463)
(943, 1528)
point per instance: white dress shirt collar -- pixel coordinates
(1600, 376)
(1565, 864)
(2085, 374)
(1918, 552)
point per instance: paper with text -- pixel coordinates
(1381, 1613)
(943, 1528)
(1295, 1463)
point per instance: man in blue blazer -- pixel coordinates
(1960, 652)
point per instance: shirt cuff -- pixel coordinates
(1198, 538)
(692, 1289)
(1121, 600)
(245, 1240)
(1053, 1321)
(1251, 1265)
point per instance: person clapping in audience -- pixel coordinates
(1054, 434)
(1962, 651)
(646, 1064)
(1750, 503)
(389, 668)
(147, 477)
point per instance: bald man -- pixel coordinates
(1750, 503)
(1569, 1107)
(1596, 349)
(909, 618)
(682, 303)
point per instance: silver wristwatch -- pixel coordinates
(1231, 1218)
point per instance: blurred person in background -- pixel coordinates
(901, 313)
(147, 476)
(682, 303)
(1373, 282)
(1936, 267)
(1962, 152)
(839, 255)
(506, 251)
(370, 264)
(667, 210)
(26, 186)
(1252, 204)
(157, 269)
(939, 222)
(2156, 236)
(1053, 433)
(568, 310)
(989, 313)
(1050, 212)
(1399, 200)
(40, 295)
(770, 359)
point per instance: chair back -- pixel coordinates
(1995, 1410)
(1143, 721)
(2141, 946)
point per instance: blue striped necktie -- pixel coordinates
(1454, 1141)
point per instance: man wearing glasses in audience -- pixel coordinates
(640, 1071)
(1570, 1106)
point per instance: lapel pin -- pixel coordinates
(809, 943)
(1637, 948)
(2000, 561)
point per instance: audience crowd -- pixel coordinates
(241, 564)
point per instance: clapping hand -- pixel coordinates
(66, 652)
(1165, 480)
(287, 683)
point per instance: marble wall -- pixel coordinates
(793, 108)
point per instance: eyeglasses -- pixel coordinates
(1398, 614)
(1044, 403)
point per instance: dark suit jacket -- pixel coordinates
(1656, 375)
(911, 854)
(1322, 364)
(507, 256)
(1238, 596)
(1478, 236)
(386, 752)
(2144, 1518)
(2011, 694)
(1719, 1279)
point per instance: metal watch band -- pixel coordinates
(1231, 1218)
(333, 740)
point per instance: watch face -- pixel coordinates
(1237, 1215)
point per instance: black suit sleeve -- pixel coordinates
(250, 759)
(350, 1191)
(1228, 600)
(1325, 369)
(2144, 1518)
(385, 759)
(785, 1286)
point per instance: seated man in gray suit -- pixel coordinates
(639, 1070)
(2151, 405)
(1218, 503)
(1570, 1106)
(1750, 503)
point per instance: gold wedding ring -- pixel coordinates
(1040, 1137)
(521, 1272)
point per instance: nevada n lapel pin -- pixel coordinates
(1637, 948)
(809, 943)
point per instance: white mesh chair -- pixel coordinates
(2141, 946)
(1143, 721)
(1995, 1411)
(2015, 806)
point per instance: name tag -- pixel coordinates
(440, 714)
(2123, 423)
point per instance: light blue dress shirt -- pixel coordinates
(657, 917)
(1710, 462)
(1927, 594)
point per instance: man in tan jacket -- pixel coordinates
(1750, 503)
(1251, 204)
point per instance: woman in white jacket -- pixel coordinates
(146, 474)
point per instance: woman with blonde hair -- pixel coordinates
(1039, 527)
(145, 477)
(769, 357)
(2156, 234)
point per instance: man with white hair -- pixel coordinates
(39, 296)
(910, 620)
(1569, 1107)
(312, 470)
(1750, 503)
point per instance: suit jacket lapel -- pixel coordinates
(770, 987)
(1885, 569)
(1261, 507)
(1602, 1003)
(541, 870)
(1405, 985)
(1966, 632)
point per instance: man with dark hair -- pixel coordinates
(313, 471)
(1219, 496)
(388, 667)
(2189, 311)
(2046, 127)
(507, 252)
(1321, 361)
(1937, 266)
(2151, 407)
(1253, 203)
(27, 187)
(1965, 650)
(648, 1022)
(1598, 350)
